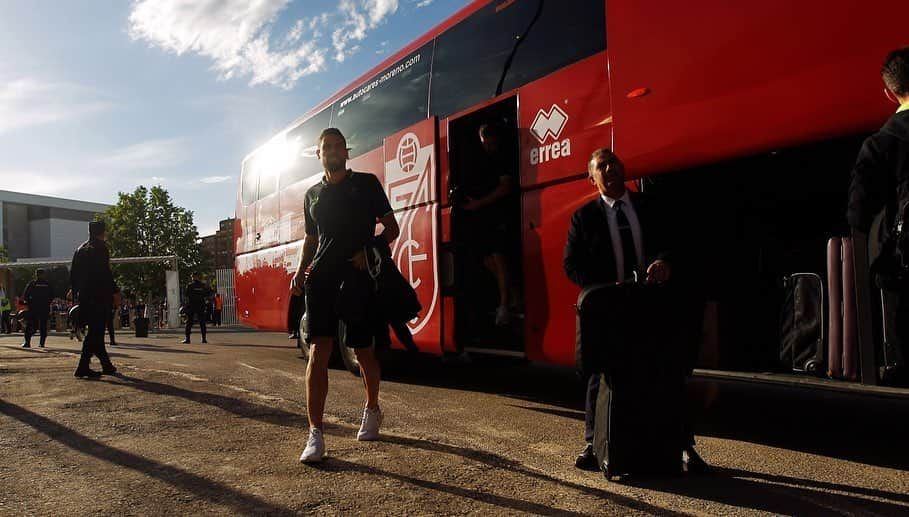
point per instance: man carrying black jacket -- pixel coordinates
(612, 238)
(880, 186)
(38, 296)
(95, 291)
(197, 293)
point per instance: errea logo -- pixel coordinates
(546, 125)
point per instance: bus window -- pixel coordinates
(249, 182)
(471, 56)
(565, 33)
(268, 181)
(393, 99)
(305, 139)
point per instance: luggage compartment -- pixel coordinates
(747, 225)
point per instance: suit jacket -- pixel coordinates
(589, 257)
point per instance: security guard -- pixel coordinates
(96, 293)
(196, 294)
(38, 296)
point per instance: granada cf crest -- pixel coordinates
(410, 185)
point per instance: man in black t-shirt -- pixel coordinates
(196, 294)
(341, 212)
(488, 186)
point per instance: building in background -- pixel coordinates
(33, 227)
(220, 245)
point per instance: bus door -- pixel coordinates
(411, 185)
(486, 241)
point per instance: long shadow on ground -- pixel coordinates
(860, 428)
(213, 491)
(239, 407)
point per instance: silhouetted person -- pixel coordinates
(38, 295)
(6, 307)
(95, 291)
(880, 183)
(196, 294)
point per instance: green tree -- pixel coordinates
(147, 223)
(4, 255)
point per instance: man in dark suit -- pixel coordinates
(612, 239)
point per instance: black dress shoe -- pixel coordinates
(586, 460)
(204, 340)
(185, 341)
(113, 343)
(91, 374)
(26, 345)
(293, 336)
(109, 370)
(694, 464)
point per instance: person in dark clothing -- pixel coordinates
(6, 308)
(95, 291)
(340, 213)
(878, 196)
(487, 187)
(294, 313)
(124, 316)
(110, 327)
(38, 296)
(610, 239)
(194, 305)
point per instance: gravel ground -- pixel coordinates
(217, 429)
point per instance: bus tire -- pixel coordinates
(304, 346)
(350, 359)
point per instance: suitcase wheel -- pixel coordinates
(815, 367)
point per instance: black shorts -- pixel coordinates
(321, 291)
(488, 237)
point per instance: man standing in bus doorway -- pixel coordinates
(879, 206)
(95, 291)
(610, 240)
(38, 296)
(487, 187)
(196, 295)
(341, 213)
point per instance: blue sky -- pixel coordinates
(97, 97)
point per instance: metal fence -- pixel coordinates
(225, 278)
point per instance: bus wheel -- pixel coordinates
(350, 359)
(304, 346)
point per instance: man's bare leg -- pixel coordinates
(501, 273)
(317, 379)
(371, 372)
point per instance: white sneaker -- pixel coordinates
(503, 318)
(315, 447)
(369, 428)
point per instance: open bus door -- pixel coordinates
(411, 170)
(476, 293)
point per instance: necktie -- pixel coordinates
(628, 250)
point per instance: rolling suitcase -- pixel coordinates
(843, 345)
(803, 343)
(639, 420)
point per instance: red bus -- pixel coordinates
(748, 116)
